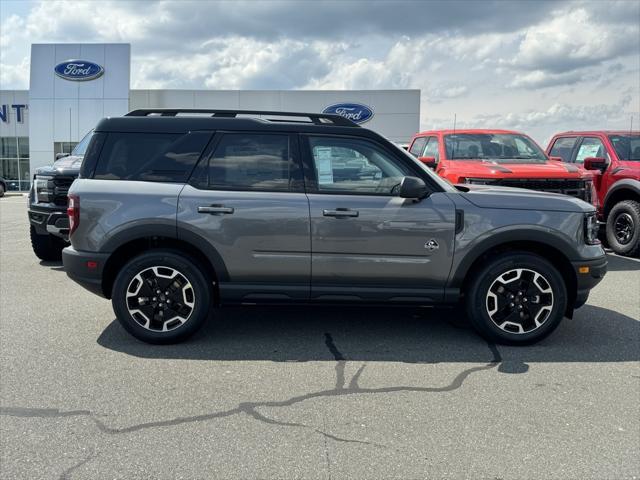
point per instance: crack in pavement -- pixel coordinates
(66, 474)
(251, 408)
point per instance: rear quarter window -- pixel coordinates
(151, 157)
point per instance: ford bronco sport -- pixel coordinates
(614, 157)
(176, 211)
(499, 157)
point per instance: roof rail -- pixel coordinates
(316, 118)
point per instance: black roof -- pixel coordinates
(171, 121)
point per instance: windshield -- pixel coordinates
(489, 146)
(81, 147)
(627, 146)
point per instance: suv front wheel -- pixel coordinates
(517, 298)
(161, 297)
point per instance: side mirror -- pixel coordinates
(595, 163)
(61, 155)
(412, 187)
(429, 161)
(556, 159)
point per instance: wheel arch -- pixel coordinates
(551, 251)
(199, 250)
(625, 189)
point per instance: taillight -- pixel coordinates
(73, 211)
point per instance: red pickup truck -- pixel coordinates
(614, 157)
(499, 157)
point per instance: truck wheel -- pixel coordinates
(623, 228)
(1, 190)
(46, 247)
(516, 298)
(161, 297)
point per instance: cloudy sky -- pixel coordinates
(537, 66)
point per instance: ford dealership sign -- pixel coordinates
(353, 111)
(78, 70)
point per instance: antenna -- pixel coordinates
(631, 126)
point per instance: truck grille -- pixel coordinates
(575, 188)
(59, 187)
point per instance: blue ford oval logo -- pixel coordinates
(353, 111)
(78, 70)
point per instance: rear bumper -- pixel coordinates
(589, 273)
(85, 268)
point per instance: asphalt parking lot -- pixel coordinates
(308, 392)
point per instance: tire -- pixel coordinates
(46, 247)
(2, 189)
(138, 310)
(504, 279)
(623, 228)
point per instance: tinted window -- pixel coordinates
(251, 162)
(81, 148)
(154, 157)
(627, 146)
(432, 149)
(590, 147)
(354, 166)
(91, 154)
(494, 146)
(418, 146)
(562, 148)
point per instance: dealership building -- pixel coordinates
(73, 86)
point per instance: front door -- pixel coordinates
(368, 243)
(247, 202)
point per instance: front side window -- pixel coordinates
(432, 149)
(563, 147)
(357, 166)
(590, 147)
(627, 146)
(81, 147)
(153, 157)
(418, 146)
(499, 147)
(251, 162)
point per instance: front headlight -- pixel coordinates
(41, 192)
(591, 229)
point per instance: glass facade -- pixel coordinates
(14, 162)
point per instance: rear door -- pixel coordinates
(246, 200)
(367, 243)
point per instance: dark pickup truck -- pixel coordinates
(47, 212)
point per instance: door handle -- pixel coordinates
(216, 210)
(340, 212)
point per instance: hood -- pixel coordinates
(65, 166)
(516, 169)
(487, 196)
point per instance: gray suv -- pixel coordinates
(178, 211)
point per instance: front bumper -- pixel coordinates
(48, 221)
(85, 268)
(589, 273)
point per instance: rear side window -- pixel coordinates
(562, 148)
(152, 157)
(244, 161)
(418, 146)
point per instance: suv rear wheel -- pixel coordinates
(516, 298)
(46, 247)
(161, 297)
(623, 228)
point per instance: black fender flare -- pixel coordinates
(506, 235)
(624, 184)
